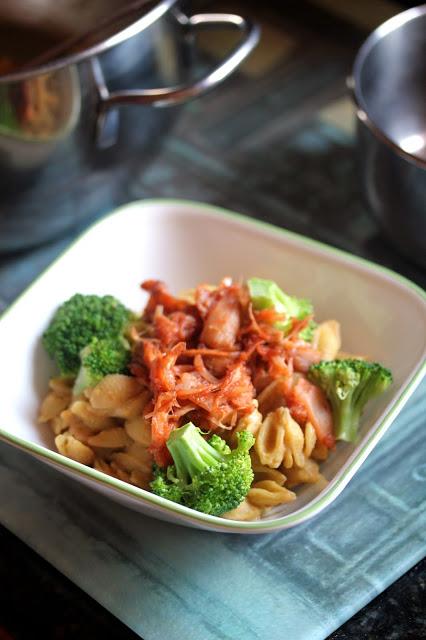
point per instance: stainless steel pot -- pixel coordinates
(69, 129)
(389, 90)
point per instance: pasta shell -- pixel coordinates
(113, 391)
(129, 463)
(327, 339)
(72, 448)
(110, 438)
(245, 511)
(79, 430)
(309, 473)
(293, 441)
(61, 386)
(140, 452)
(250, 422)
(119, 473)
(92, 420)
(58, 425)
(269, 444)
(266, 473)
(132, 408)
(140, 479)
(310, 439)
(139, 429)
(71, 420)
(262, 472)
(268, 493)
(272, 397)
(52, 406)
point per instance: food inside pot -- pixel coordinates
(76, 29)
(21, 43)
(30, 106)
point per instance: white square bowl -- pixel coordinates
(184, 243)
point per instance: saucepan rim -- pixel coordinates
(132, 29)
(354, 83)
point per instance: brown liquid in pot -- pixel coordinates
(20, 44)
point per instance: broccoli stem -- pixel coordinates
(191, 453)
(346, 419)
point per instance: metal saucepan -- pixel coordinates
(70, 128)
(389, 90)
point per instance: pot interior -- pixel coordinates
(28, 28)
(390, 80)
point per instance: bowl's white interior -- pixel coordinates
(380, 316)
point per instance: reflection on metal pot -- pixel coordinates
(389, 91)
(66, 140)
(35, 115)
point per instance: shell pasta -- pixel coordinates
(228, 374)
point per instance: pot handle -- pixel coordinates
(168, 96)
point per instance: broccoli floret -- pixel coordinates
(77, 322)
(206, 475)
(307, 334)
(349, 384)
(98, 359)
(166, 485)
(266, 294)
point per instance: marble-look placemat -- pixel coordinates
(166, 581)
